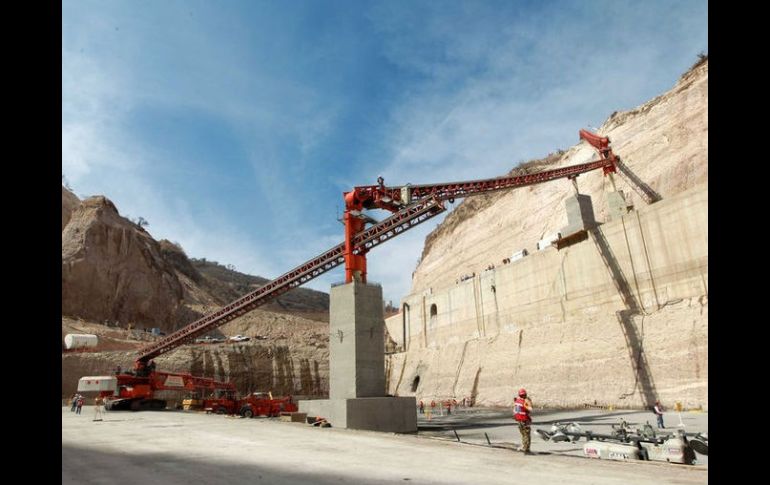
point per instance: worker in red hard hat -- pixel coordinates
(522, 407)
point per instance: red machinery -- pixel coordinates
(399, 199)
(255, 404)
(137, 391)
(134, 392)
(602, 145)
(410, 204)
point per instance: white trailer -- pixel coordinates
(98, 384)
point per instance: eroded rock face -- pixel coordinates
(114, 272)
(112, 269)
(286, 355)
(279, 368)
(69, 202)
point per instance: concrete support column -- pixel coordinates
(357, 342)
(357, 394)
(580, 214)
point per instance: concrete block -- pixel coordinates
(580, 214)
(387, 414)
(390, 414)
(357, 397)
(356, 342)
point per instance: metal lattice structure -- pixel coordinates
(411, 204)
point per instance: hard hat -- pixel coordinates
(522, 392)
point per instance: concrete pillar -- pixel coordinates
(356, 342)
(357, 398)
(580, 214)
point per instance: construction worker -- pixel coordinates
(98, 403)
(522, 407)
(658, 410)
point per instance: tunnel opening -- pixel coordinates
(415, 383)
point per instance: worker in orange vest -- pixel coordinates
(522, 407)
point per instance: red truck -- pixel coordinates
(256, 404)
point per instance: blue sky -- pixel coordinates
(233, 127)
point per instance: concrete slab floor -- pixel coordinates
(174, 447)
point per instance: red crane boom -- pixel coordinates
(387, 229)
(411, 204)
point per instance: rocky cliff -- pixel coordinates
(115, 274)
(617, 319)
(112, 269)
(664, 142)
(69, 202)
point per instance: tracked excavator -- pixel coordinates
(410, 206)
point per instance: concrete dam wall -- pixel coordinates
(620, 319)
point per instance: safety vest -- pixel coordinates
(520, 412)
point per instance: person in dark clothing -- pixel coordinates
(658, 410)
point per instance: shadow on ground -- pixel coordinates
(88, 466)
